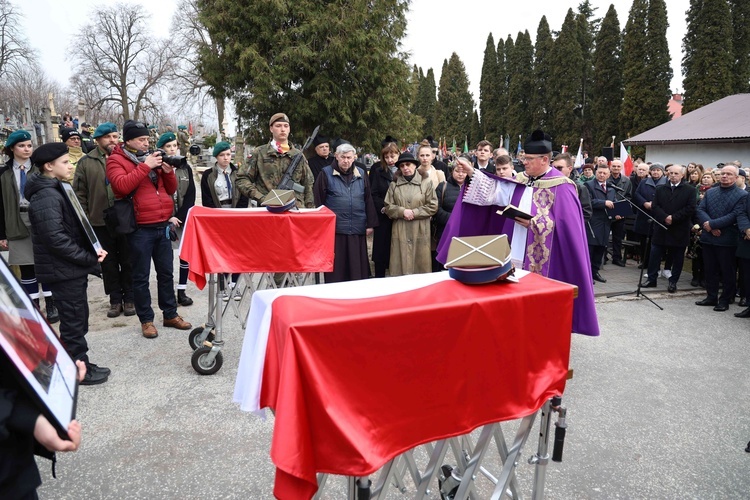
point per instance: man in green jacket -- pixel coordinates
(95, 194)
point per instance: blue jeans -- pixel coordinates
(148, 243)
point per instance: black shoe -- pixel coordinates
(598, 277)
(114, 310)
(97, 368)
(94, 377)
(618, 263)
(705, 302)
(721, 307)
(641, 266)
(743, 302)
(129, 309)
(183, 299)
(649, 284)
(52, 315)
(672, 287)
(695, 282)
(748, 447)
(743, 314)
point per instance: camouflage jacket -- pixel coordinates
(263, 172)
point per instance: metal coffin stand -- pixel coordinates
(461, 483)
(206, 340)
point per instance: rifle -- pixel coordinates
(286, 181)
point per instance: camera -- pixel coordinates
(175, 161)
(195, 150)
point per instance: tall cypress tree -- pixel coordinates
(521, 85)
(658, 65)
(587, 28)
(607, 90)
(501, 84)
(542, 68)
(428, 102)
(709, 67)
(415, 80)
(488, 103)
(741, 44)
(565, 107)
(635, 74)
(455, 106)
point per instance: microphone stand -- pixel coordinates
(651, 221)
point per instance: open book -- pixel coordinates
(512, 212)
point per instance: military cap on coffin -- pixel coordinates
(278, 200)
(479, 259)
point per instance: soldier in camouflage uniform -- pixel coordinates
(183, 139)
(265, 169)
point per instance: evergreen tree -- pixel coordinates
(708, 68)
(565, 107)
(635, 74)
(587, 28)
(607, 90)
(488, 105)
(741, 44)
(658, 66)
(542, 69)
(520, 88)
(344, 71)
(415, 80)
(427, 100)
(476, 131)
(455, 104)
(501, 87)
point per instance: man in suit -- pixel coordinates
(623, 188)
(673, 207)
(602, 197)
(483, 160)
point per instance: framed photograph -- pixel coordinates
(78, 209)
(43, 366)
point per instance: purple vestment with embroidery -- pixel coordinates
(556, 245)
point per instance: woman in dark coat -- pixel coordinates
(447, 195)
(64, 256)
(381, 176)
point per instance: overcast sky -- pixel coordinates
(436, 28)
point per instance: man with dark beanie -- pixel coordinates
(133, 172)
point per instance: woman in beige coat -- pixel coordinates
(410, 202)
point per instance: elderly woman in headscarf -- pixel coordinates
(410, 202)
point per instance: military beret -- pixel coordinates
(16, 137)
(278, 117)
(105, 128)
(181, 127)
(48, 152)
(220, 147)
(165, 138)
(320, 139)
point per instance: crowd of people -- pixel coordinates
(410, 201)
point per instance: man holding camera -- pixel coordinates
(136, 173)
(264, 171)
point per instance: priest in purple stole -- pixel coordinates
(553, 243)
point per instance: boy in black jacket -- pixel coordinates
(63, 255)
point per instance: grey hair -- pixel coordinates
(682, 167)
(345, 148)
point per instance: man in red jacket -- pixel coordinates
(131, 170)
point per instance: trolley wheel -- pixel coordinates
(193, 337)
(204, 367)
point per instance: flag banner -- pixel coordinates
(579, 157)
(627, 161)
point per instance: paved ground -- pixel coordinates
(658, 408)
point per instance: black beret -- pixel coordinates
(48, 152)
(388, 139)
(538, 143)
(320, 139)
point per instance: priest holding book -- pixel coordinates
(552, 243)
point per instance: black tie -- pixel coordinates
(229, 184)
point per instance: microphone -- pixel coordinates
(617, 188)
